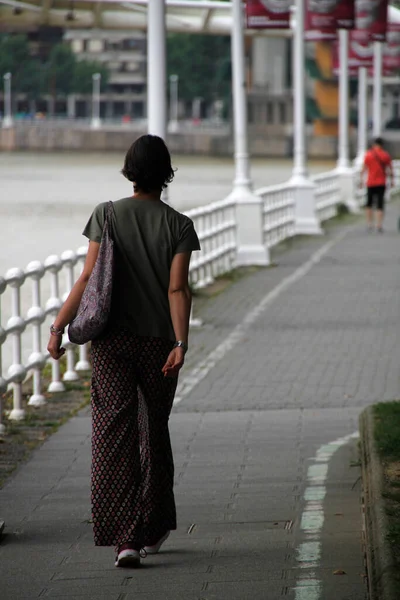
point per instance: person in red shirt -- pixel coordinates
(378, 165)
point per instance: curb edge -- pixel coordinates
(380, 563)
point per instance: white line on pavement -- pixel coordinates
(201, 371)
(308, 553)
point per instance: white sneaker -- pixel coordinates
(128, 558)
(154, 549)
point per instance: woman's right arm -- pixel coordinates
(180, 303)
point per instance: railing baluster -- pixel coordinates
(83, 363)
(3, 382)
(53, 305)
(15, 326)
(69, 259)
(36, 315)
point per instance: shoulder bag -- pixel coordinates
(94, 308)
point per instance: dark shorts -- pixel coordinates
(376, 197)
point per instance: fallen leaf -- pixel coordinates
(339, 572)
(338, 514)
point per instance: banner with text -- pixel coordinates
(391, 50)
(360, 55)
(320, 23)
(325, 17)
(345, 14)
(268, 14)
(371, 20)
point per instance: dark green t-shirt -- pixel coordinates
(147, 234)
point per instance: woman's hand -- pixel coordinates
(54, 347)
(174, 362)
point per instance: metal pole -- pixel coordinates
(96, 80)
(377, 96)
(343, 158)
(7, 120)
(242, 164)
(173, 103)
(299, 117)
(362, 116)
(156, 69)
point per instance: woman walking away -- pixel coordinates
(137, 359)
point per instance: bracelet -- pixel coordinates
(55, 331)
(180, 344)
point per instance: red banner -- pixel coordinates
(360, 55)
(268, 14)
(325, 17)
(371, 20)
(391, 50)
(345, 14)
(320, 21)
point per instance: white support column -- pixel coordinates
(377, 95)
(303, 188)
(362, 116)
(7, 119)
(343, 167)
(157, 73)
(249, 207)
(173, 124)
(96, 82)
(156, 69)
(343, 162)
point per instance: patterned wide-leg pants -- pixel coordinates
(132, 463)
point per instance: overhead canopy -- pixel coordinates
(189, 16)
(196, 16)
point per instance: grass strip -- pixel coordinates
(387, 438)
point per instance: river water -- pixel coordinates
(46, 199)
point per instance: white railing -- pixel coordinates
(215, 225)
(21, 345)
(327, 195)
(24, 311)
(278, 213)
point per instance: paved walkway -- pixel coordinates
(267, 483)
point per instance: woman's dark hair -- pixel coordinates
(148, 164)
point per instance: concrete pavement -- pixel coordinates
(267, 482)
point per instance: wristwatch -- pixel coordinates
(180, 344)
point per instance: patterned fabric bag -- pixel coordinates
(92, 315)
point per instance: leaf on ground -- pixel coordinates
(339, 572)
(338, 514)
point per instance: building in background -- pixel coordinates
(124, 55)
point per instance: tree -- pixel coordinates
(84, 70)
(60, 70)
(27, 72)
(203, 64)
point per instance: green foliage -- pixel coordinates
(27, 73)
(84, 70)
(202, 63)
(387, 429)
(62, 74)
(60, 70)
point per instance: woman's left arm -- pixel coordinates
(71, 305)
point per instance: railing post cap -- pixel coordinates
(17, 373)
(53, 263)
(15, 277)
(82, 251)
(69, 256)
(35, 269)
